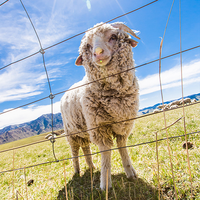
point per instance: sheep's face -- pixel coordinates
(99, 45)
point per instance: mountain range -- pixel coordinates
(44, 124)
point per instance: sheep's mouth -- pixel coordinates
(103, 61)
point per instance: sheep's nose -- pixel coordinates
(98, 51)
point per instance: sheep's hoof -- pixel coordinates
(103, 184)
(132, 178)
(76, 174)
(93, 167)
(104, 188)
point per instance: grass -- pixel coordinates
(49, 181)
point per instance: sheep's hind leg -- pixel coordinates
(105, 165)
(75, 153)
(126, 161)
(88, 157)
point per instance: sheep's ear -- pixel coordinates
(79, 60)
(132, 42)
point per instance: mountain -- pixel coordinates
(40, 125)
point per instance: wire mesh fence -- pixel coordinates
(70, 193)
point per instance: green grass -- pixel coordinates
(22, 142)
(49, 182)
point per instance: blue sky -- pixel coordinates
(58, 20)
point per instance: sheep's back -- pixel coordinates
(71, 110)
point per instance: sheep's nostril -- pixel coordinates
(98, 51)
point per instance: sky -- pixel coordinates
(58, 20)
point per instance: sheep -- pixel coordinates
(105, 50)
(156, 111)
(161, 106)
(53, 134)
(167, 107)
(177, 102)
(185, 101)
(193, 101)
(173, 106)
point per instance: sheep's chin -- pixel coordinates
(102, 62)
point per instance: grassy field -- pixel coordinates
(49, 179)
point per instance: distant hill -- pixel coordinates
(40, 125)
(152, 108)
(43, 124)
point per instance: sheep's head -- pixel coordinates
(101, 42)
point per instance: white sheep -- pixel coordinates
(186, 101)
(167, 107)
(173, 106)
(177, 102)
(193, 101)
(105, 50)
(161, 106)
(156, 111)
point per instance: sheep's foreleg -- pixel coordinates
(88, 158)
(75, 153)
(105, 165)
(126, 161)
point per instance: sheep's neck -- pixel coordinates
(119, 84)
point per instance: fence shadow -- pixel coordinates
(79, 188)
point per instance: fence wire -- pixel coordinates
(162, 98)
(51, 96)
(4, 2)
(184, 122)
(113, 149)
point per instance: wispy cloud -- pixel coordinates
(25, 80)
(27, 114)
(171, 78)
(88, 4)
(17, 38)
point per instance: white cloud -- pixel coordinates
(18, 40)
(49, 19)
(24, 80)
(171, 78)
(88, 4)
(27, 114)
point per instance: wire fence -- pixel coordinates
(52, 95)
(129, 146)
(4, 2)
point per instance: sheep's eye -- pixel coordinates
(113, 37)
(89, 46)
